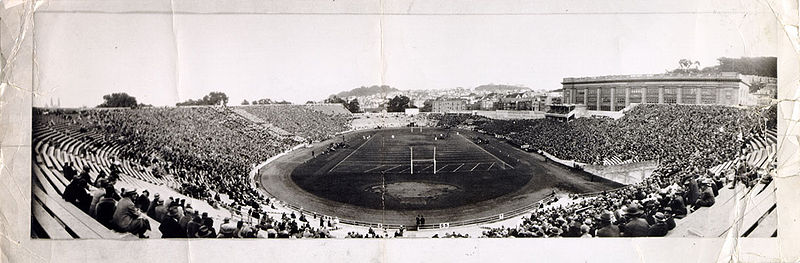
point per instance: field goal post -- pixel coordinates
(419, 129)
(422, 160)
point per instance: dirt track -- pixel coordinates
(276, 179)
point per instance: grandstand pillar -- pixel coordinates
(660, 94)
(679, 94)
(697, 98)
(627, 96)
(585, 96)
(612, 96)
(644, 94)
(598, 98)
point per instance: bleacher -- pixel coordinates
(742, 211)
(52, 216)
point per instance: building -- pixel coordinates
(525, 101)
(613, 93)
(412, 111)
(449, 105)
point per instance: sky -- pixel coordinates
(162, 58)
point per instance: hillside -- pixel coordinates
(499, 88)
(366, 91)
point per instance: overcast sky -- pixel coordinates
(82, 56)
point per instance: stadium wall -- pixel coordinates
(624, 173)
(511, 114)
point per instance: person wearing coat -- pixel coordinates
(636, 226)
(127, 218)
(706, 197)
(606, 228)
(170, 228)
(660, 228)
(104, 212)
(75, 193)
(693, 190)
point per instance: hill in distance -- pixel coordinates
(500, 88)
(366, 91)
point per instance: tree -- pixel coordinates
(245, 102)
(213, 98)
(335, 99)
(354, 106)
(427, 106)
(310, 102)
(398, 103)
(114, 100)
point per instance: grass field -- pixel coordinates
(390, 151)
(375, 170)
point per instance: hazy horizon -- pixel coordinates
(163, 59)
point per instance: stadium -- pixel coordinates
(304, 171)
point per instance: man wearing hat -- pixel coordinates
(636, 226)
(169, 225)
(151, 211)
(606, 228)
(677, 204)
(227, 228)
(143, 202)
(660, 228)
(127, 218)
(706, 197)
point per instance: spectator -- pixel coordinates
(169, 224)
(106, 206)
(128, 219)
(636, 226)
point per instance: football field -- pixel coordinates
(391, 151)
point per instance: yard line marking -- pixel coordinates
(409, 167)
(479, 147)
(374, 168)
(442, 167)
(426, 167)
(392, 168)
(458, 167)
(354, 151)
(476, 166)
(490, 167)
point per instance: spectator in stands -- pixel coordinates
(143, 201)
(170, 228)
(151, 211)
(193, 227)
(187, 217)
(104, 212)
(69, 171)
(206, 230)
(636, 226)
(75, 193)
(128, 219)
(97, 194)
(707, 195)
(160, 210)
(607, 229)
(660, 228)
(227, 229)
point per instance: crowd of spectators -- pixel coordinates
(671, 134)
(686, 140)
(210, 150)
(304, 120)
